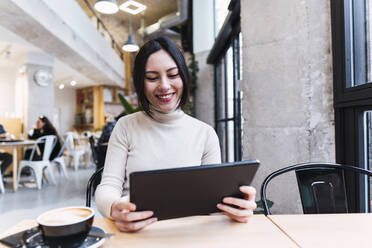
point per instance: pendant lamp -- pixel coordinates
(106, 6)
(130, 45)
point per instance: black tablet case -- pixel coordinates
(196, 190)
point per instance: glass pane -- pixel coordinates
(358, 42)
(230, 83)
(240, 56)
(230, 141)
(221, 12)
(368, 151)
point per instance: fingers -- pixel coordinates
(245, 206)
(134, 216)
(242, 203)
(242, 219)
(126, 219)
(249, 192)
(134, 226)
(235, 211)
(122, 205)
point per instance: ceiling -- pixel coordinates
(13, 47)
(118, 23)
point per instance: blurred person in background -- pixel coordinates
(6, 158)
(42, 128)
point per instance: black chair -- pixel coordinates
(321, 186)
(97, 175)
(99, 155)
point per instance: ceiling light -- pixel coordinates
(106, 6)
(61, 86)
(132, 7)
(73, 83)
(130, 45)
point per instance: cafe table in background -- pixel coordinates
(327, 230)
(196, 231)
(15, 145)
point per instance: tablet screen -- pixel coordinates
(195, 190)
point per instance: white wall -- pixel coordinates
(7, 80)
(65, 107)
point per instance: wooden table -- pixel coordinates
(198, 231)
(15, 146)
(327, 230)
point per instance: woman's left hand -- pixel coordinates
(245, 206)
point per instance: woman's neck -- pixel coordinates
(165, 117)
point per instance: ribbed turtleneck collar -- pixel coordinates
(166, 117)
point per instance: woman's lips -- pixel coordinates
(165, 97)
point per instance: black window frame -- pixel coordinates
(228, 37)
(349, 102)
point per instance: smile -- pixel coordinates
(165, 97)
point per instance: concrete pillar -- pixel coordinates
(287, 85)
(35, 97)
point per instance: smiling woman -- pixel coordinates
(162, 136)
(160, 72)
(163, 85)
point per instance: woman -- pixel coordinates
(161, 136)
(43, 127)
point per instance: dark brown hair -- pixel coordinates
(48, 124)
(150, 47)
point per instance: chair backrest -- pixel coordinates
(321, 186)
(49, 142)
(90, 184)
(63, 148)
(69, 141)
(93, 147)
(322, 190)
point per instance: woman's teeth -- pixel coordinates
(165, 96)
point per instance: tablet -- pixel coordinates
(196, 190)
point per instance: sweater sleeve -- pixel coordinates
(212, 151)
(111, 186)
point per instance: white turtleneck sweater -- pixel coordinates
(139, 143)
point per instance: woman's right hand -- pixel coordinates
(127, 219)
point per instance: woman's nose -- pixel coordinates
(164, 83)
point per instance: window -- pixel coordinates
(220, 12)
(352, 70)
(226, 56)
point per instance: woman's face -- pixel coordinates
(39, 124)
(163, 84)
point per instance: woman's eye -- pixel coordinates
(173, 75)
(151, 78)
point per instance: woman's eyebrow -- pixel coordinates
(151, 72)
(172, 68)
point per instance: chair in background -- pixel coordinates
(38, 166)
(321, 186)
(99, 154)
(90, 184)
(76, 153)
(59, 161)
(93, 149)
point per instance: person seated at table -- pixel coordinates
(161, 136)
(6, 158)
(101, 146)
(108, 128)
(42, 128)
